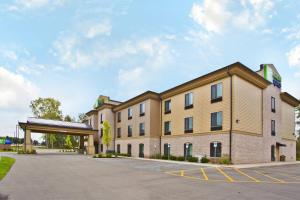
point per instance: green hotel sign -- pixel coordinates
(272, 76)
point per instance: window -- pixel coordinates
(129, 113)
(118, 148)
(142, 129)
(216, 121)
(188, 125)
(273, 130)
(101, 132)
(129, 131)
(141, 150)
(101, 147)
(215, 149)
(216, 93)
(142, 109)
(188, 101)
(119, 133)
(129, 149)
(101, 118)
(273, 105)
(167, 149)
(188, 150)
(167, 106)
(168, 128)
(119, 116)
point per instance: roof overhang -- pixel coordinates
(137, 99)
(53, 129)
(286, 97)
(234, 69)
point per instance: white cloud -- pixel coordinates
(15, 91)
(212, 16)
(94, 30)
(216, 16)
(20, 5)
(294, 56)
(8, 54)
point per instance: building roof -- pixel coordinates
(47, 122)
(142, 97)
(286, 97)
(234, 69)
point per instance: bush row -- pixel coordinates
(176, 158)
(27, 152)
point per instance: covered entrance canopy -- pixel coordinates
(57, 127)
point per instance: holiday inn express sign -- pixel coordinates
(271, 74)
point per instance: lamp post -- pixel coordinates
(169, 149)
(186, 150)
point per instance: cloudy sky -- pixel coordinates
(75, 50)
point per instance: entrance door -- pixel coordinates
(273, 153)
(129, 149)
(141, 150)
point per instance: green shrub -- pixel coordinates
(224, 160)
(165, 157)
(27, 152)
(109, 155)
(192, 159)
(156, 156)
(204, 160)
(180, 158)
(173, 157)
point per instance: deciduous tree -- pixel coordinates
(106, 138)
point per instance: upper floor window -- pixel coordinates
(168, 128)
(188, 100)
(101, 118)
(101, 132)
(129, 131)
(188, 125)
(216, 93)
(215, 149)
(119, 133)
(216, 121)
(167, 106)
(119, 116)
(142, 109)
(142, 129)
(273, 108)
(129, 113)
(273, 130)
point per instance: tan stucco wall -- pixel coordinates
(151, 119)
(151, 145)
(202, 110)
(287, 128)
(247, 106)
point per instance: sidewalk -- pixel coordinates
(240, 166)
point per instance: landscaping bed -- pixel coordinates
(5, 165)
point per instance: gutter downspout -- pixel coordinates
(231, 116)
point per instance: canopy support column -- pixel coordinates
(27, 141)
(91, 147)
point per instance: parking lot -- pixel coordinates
(272, 175)
(59, 176)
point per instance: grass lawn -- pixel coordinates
(5, 165)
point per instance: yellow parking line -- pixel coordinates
(226, 175)
(271, 177)
(243, 173)
(181, 172)
(204, 174)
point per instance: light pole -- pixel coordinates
(169, 149)
(186, 150)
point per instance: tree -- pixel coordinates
(68, 142)
(47, 108)
(106, 138)
(82, 117)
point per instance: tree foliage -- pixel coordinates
(68, 142)
(46, 108)
(82, 117)
(106, 138)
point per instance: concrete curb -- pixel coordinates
(240, 166)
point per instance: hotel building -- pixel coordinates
(232, 112)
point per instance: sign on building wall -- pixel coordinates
(271, 75)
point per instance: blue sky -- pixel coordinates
(75, 50)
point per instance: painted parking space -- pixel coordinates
(235, 175)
